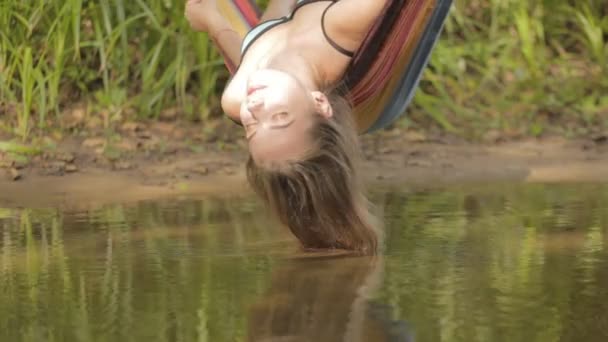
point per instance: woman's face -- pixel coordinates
(277, 114)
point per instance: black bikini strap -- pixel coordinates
(331, 42)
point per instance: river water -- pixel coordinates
(492, 262)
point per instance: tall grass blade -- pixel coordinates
(26, 75)
(594, 34)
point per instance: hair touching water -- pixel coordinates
(320, 197)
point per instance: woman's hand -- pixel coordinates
(201, 14)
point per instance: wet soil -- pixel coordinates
(138, 161)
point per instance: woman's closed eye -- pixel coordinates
(279, 117)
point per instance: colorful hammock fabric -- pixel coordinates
(384, 73)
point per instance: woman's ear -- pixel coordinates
(322, 105)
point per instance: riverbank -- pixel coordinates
(149, 161)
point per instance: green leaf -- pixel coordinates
(12, 147)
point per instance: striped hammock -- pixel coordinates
(384, 73)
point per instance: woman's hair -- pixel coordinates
(325, 297)
(320, 197)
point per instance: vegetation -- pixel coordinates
(520, 67)
(516, 66)
(121, 58)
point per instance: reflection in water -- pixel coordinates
(495, 263)
(502, 263)
(324, 299)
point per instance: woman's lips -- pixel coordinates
(253, 88)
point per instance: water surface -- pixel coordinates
(484, 263)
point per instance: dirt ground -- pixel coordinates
(148, 161)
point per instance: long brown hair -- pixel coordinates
(320, 197)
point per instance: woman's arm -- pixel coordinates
(228, 42)
(277, 9)
(204, 16)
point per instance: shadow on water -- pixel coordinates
(484, 263)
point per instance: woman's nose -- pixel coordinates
(254, 103)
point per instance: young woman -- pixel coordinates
(285, 92)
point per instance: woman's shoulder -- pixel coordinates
(349, 21)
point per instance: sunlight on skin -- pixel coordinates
(278, 113)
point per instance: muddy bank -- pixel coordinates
(529, 160)
(151, 162)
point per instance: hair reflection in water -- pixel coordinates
(325, 299)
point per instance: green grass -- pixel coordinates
(521, 67)
(111, 55)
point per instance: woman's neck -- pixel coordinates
(298, 66)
